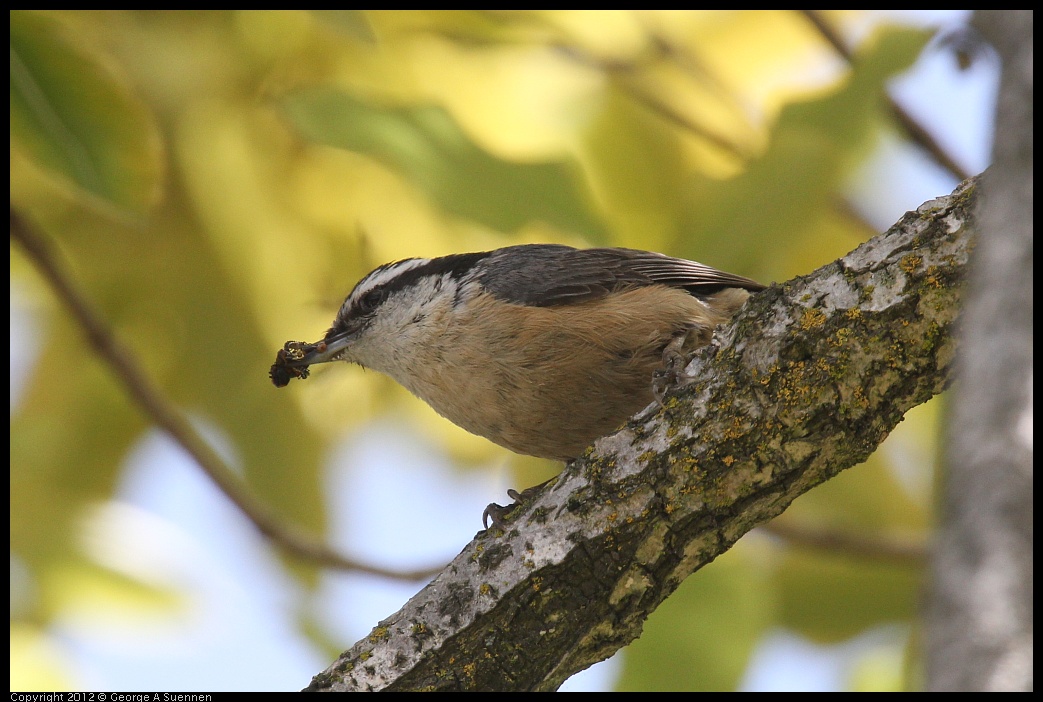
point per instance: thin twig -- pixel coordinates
(916, 132)
(891, 550)
(623, 72)
(170, 419)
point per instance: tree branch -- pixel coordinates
(806, 382)
(978, 630)
(909, 551)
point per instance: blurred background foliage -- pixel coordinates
(217, 181)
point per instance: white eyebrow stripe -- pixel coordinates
(386, 274)
(380, 276)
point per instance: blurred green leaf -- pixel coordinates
(78, 118)
(68, 437)
(353, 23)
(637, 164)
(701, 637)
(426, 146)
(831, 598)
(812, 146)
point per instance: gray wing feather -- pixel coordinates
(544, 275)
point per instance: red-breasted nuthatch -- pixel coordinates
(539, 348)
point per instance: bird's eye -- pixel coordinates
(370, 301)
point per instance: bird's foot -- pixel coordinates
(671, 375)
(497, 514)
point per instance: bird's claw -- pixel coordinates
(672, 375)
(497, 514)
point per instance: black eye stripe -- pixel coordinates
(363, 305)
(455, 265)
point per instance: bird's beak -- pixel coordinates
(294, 357)
(324, 351)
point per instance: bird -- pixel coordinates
(540, 348)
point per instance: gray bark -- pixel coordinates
(979, 614)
